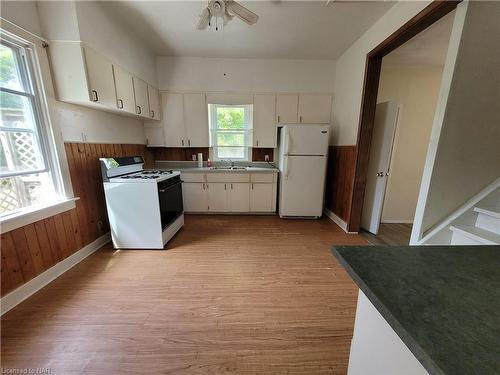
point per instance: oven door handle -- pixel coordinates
(170, 187)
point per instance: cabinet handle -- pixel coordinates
(278, 118)
(96, 97)
(147, 141)
(152, 114)
(189, 142)
(182, 142)
(300, 118)
(231, 186)
(120, 104)
(203, 186)
(139, 110)
(257, 143)
(252, 186)
(224, 186)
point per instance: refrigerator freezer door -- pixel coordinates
(306, 140)
(302, 186)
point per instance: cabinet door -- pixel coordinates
(154, 136)
(195, 197)
(196, 120)
(315, 109)
(100, 76)
(124, 90)
(261, 197)
(154, 103)
(141, 97)
(239, 197)
(286, 108)
(264, 117)
(173, 119)
(218, 197)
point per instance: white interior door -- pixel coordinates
(386, 117)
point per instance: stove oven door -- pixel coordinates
(170, 196)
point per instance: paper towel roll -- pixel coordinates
(200, 160)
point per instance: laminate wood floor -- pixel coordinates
(393, 234)
(231, 295)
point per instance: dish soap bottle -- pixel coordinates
(209, 163)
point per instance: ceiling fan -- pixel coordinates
(224, 10)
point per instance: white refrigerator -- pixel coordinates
(303, 156)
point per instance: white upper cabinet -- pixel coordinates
(154, 103)
(154, 136)
(287, 108)
(315, 109)
(124, 90)
(85, 77)
(173, 119)
(264, 117)
(141, 97)
(100, 76)
(196, 120)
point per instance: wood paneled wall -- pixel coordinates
(178, 153)
(340, 179)
(259, 154)
(34, 248)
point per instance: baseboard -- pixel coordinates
(337, 220)
(396, 222)
(34, 285)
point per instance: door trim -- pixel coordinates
(429, 15)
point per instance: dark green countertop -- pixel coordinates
(442, 301)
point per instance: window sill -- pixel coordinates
(30, 216)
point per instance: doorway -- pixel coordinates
(410, 80)
(428, 16)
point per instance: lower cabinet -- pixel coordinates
(261, 197)
(217, 197)
(223, 197)
(195, 197)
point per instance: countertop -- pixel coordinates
(442, 301)
(211, 170)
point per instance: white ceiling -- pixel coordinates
(426, 48)
(285, 29)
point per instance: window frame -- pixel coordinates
(247, 131)
(52, 151)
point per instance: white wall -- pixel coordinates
(415, 89)
(23, 14)
(250, 75)
(350, 70)
(464, 152)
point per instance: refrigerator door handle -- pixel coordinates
(285, 166)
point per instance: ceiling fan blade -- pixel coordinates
(204, 19)
(241, 12)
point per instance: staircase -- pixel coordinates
(477, 222)
(486, 230)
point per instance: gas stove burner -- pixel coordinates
(157, 171)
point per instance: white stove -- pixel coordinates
(145, 206)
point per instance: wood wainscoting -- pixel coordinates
(30, 250)
(340, 179)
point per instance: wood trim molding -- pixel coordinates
(430, 14)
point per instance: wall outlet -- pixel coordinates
(266, 157)
(193, 157)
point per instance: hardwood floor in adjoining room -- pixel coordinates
(232, 295)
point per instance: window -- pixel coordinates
(25, 170)
(230, 131)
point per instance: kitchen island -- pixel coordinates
(425, 309)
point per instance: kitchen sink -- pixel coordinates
(230, 168)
